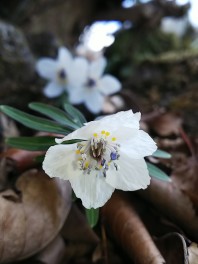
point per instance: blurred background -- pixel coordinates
(152, 48)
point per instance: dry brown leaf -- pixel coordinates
(172, 202)
(167, 124)
(77, 229)
(23, 159)
(28, 226)
(53, 253)
(8, 127)
(173, 248)
(193, 253)
(124, 222)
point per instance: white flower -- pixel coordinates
(59, 72)
(111, 157)
(84, 51)
(91, 86)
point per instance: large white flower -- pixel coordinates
(92, 86)
(59, 71)
(112, 156)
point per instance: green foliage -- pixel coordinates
(134, 46)
(157, 173)
(161, 154)
(35, 122)
(92, 216)
(54, 113)
(61, 123)
(41, 143)
(76, 115)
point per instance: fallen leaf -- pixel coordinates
(28, 226)
(77, 229)
(166, 124)
(173, 248)
(122, 219)
(53, 253)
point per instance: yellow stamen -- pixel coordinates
(95, 134)
(113, 139)
(107, 134)
(86, 164)
(102, 132)
(77, 151)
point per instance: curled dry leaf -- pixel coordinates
(129, 230)
(8, 127)
(23, 159)
(53, 253)
(27, 226)
(166, 124)
(174, 203)
(77, 229)
(173, 248)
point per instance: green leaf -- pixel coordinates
(53, 113)
(41, 143)
(157, 173)
(92, 216)
(34, 122)
(75, 114)
(39, 158)
(72, 141)
(161, 154)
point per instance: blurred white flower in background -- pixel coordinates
(111, 157)
(92, 87)
(82, 79)
(84, 51)
(59, 72)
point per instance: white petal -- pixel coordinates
(78, 72)
(132, 174)
(122, 125)
(109, 85)
(58, 161)
(91, 189)
(76, 95)
(141, 145)
(109, 123)
(94, 101)
(52, 90)
(124, 118)
(97, 67)
(47, 68)
(64, 57)
(84, 133)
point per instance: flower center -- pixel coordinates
(98, 153)
(91, 83)
(61, 76)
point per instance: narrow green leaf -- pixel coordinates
(75, 114)
(34, 122)
(41, 143)
(157, 173)
(53, 113)
(73, 141)
(161, 154)
(39, 158)
(92, 216)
